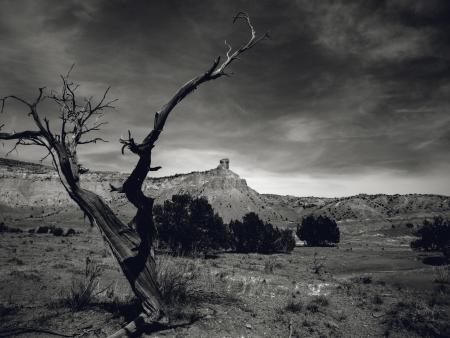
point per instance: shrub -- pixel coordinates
(253, 235)
(8, 310)
(318, 231)
(5, 228)
(433, 236)
(317, 264)
(188, 225)
(286, 241)
(58, 232)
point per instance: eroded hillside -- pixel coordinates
(33, 185)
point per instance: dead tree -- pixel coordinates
(130, 243)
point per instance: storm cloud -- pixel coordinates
(346, 97)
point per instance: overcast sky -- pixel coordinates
(346, 97)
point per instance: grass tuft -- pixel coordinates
(417, 317)
(377, 299)
(82, 291)
(442, 274)
(293, 305)
(317, 302)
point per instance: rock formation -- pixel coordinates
(224, 164)
(32, 185)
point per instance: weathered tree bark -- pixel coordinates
(130, 243)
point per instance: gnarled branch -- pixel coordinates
(214, 72)
(28, 134)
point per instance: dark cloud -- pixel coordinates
(345, 92)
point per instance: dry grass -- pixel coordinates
(177, 282)
(270, 264)
(364, 279)
(294, 305)
(185, 284)
(377, 299)
(317, 303)
(416, 316)
(82, 291)
(442, 274)
(317, 264)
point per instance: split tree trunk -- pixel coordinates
(130, 243)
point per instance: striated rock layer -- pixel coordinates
(32, 185)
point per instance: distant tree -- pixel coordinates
(318, 231)
(409, 225)
(253, 235)
(433, 236)
(188, 225)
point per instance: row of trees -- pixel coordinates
(318, 231)
(188, 225)
(253, 235)
(434, 235)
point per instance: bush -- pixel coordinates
(5, 228)
(286, 241)
(433, 236)
(58, 232)
(188, 225)
(318, 231)
(253, 235)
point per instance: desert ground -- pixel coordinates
(371, 285)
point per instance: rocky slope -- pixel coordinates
(32, 185)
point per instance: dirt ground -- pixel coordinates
(372, 285)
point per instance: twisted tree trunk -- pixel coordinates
(130, 243)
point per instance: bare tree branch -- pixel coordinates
(94, 140)
(4, 99)
(235, 55)
(28, 134)
(214, 72)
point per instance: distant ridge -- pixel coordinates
(31, 184)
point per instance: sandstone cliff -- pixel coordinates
(32, 185)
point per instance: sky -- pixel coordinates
(346, 97)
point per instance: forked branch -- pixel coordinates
(215, 71)
(77, 121)
(231, 56)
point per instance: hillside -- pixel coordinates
(33, 185)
